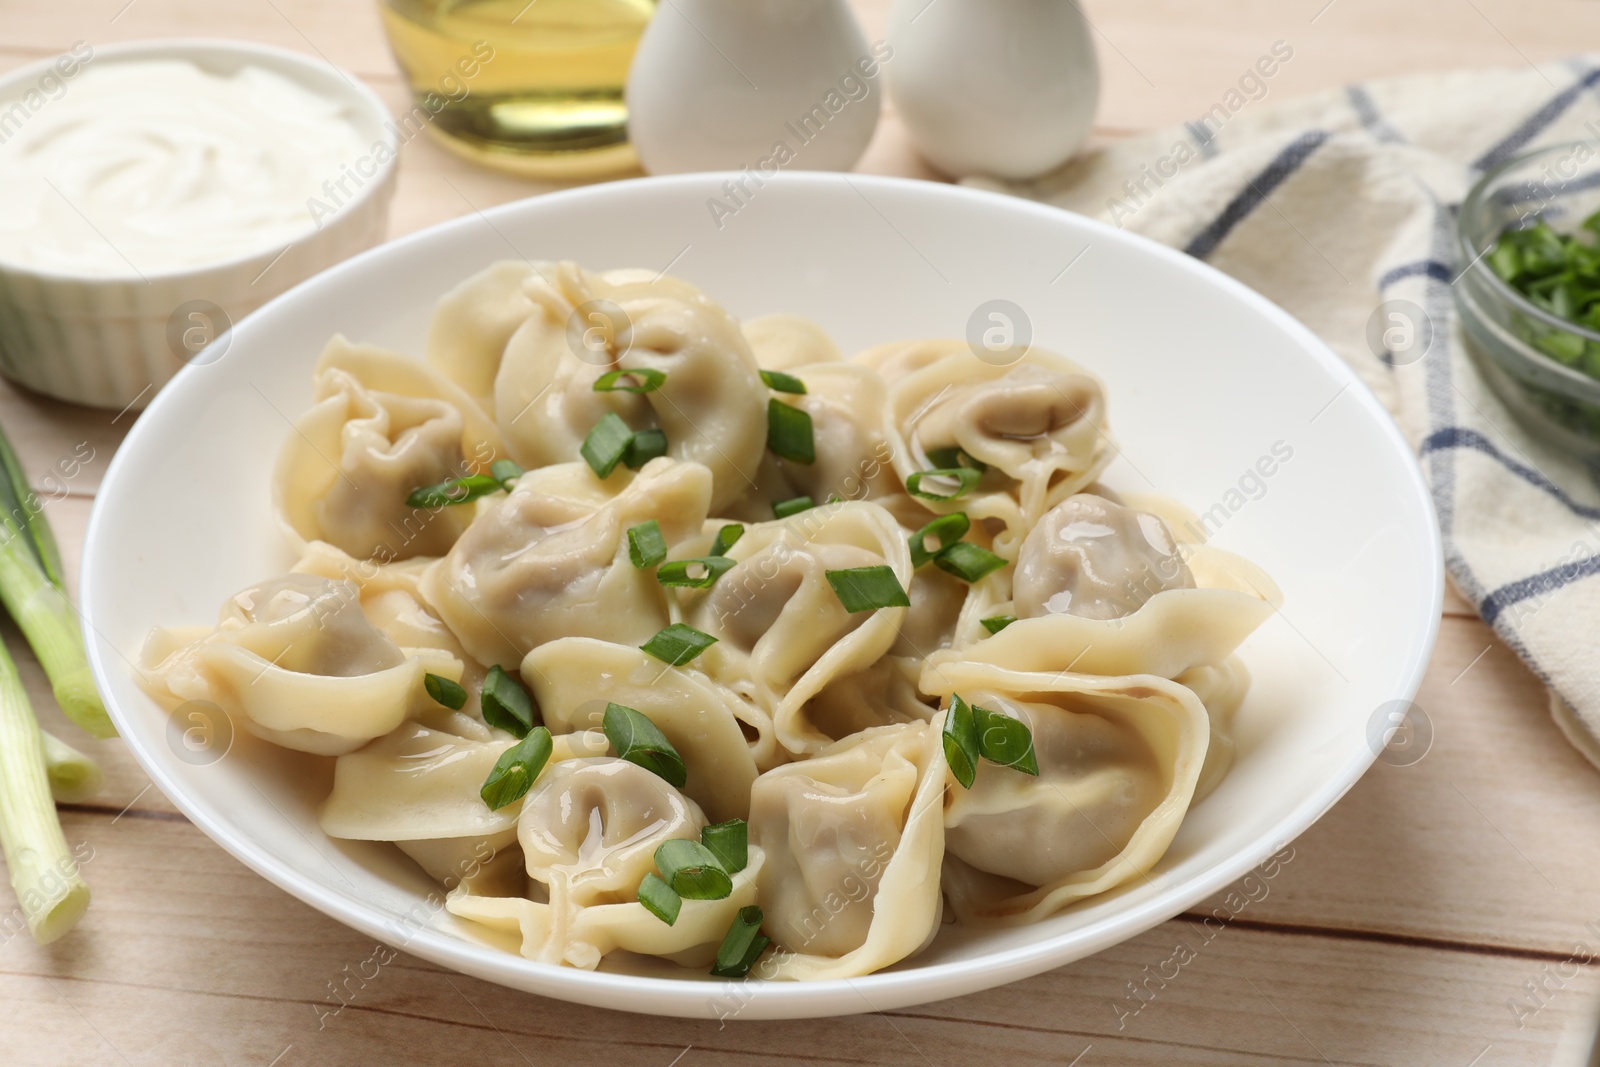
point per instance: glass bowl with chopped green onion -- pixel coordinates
(1528, 290)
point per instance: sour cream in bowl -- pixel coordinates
(152, 194)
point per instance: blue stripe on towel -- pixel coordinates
(1541, 584)
(1251, 196)
(1536, 123)
(1432, 268)
(1462, 437)
(1366, 110)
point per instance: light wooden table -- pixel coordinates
(1409, 920)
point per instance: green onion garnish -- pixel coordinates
(995, 623)
(946, 530)
(446, 692)
(678, 644)
(646, 546)
(967, 561)
(783, 383)
(506, 703)
(506, 472)
(789, 433)
(868, 588)
(692, 870)
(699, 573)
(730, 843)
(454, 491)
(1006, 741)
(640, 741)
(516, 769)
(607, 442)
(643, 447)
(960, 739)
(964, 477)
(726, 538)
(660, 899)
(955, 456)
(742, 946)
(643, 380)
(794, 506)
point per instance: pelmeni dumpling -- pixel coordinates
(711, 405)
(296, 661)
(782, 632)
(782, 342)
(854, 838)
(472, 323)
(1119, 759)
(550, 560)
(1097, 560)
(573, 680)
(1038, 424)
(382, 425)
(852, 460)
(884, 693)
(589, 829)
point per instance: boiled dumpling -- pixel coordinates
(853, 838)
(573, 680)
(589, 829)
(1119, 759)
(551, 560)
(782, 632)
(300, 664)
(782, 342)
(382, 425)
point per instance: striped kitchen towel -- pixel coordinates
(1331, 205)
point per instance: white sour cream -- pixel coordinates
(148, 166)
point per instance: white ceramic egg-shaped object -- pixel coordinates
(729, 84)
(1005, 88)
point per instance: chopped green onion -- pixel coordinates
(961, 748)
(964, 477)
(678, 644)
(1006, 741)
(643, 380)
(454, 491)
(445, 691)
(646, 546)
(505, 472)
(946, 529)
(607, 442)
(660, 899)
(643, 447)
(640, 741)
(794, 506)
(506, 703)
(730, 843)
(789, 433)
(967, 561)
(692, 870)
(995, 623)
(783, 383)
(514, 772)
(955, 456)
(868, 588)
(742, 945)
(699, 573)
(726, 538)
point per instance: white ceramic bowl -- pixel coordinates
(1205, 377)
(112, 341)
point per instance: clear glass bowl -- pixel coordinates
(1535, 361)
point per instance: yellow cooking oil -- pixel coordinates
(534, 87)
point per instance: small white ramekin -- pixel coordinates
(112, 341)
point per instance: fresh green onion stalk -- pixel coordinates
(33, 589)
(73, 776)
(44, 874)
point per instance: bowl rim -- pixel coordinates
(357, 93)
(772, 999)
(1477, 262)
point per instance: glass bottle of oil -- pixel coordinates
(534, 87)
